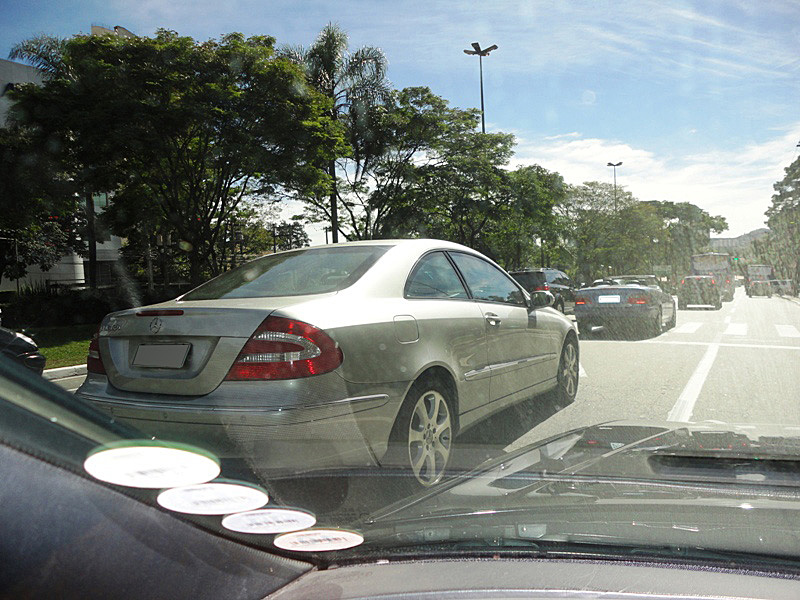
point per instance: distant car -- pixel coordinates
(625, 302)
(556, 282)
(700, 290)
(760, 288)
(354, 354)
(782, 287)
(21, 349)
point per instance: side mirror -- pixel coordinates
(542, 299)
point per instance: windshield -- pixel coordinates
(297, 273)
(394, 275)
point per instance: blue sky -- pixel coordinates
(698, 99)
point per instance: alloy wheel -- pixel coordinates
(568, 370)
(430, 437)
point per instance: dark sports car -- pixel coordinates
(626, 303)
(21, 349)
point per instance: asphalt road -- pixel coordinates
(740, 364)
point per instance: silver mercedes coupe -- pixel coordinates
(356, 354)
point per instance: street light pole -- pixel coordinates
(481, 53)
(615, 165)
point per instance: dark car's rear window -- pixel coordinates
(529, 280)
(297, 273)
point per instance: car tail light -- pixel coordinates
(581, 300)
(637, 300)
(545, 287)
(713, 282)
(727, 281)
(94, 362)
(283, 348)
(683, 282)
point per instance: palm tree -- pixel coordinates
(45, 52)
(351, 81)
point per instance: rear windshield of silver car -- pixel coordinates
(296, 273)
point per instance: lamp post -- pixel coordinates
(481, 53)
(615, 165)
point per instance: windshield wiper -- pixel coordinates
(611, 548)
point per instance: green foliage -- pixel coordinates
(38, 307)
(354, 83)
(622, 234)
(781, 248)
(38, 220)
(181, 131)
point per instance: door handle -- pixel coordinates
(493, 319)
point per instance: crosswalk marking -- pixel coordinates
(787, 331)
(736, 329)
(690, 327)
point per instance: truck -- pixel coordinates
(757, 273)
(718, 265)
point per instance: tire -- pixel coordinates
(568, 374)
(423, 433)
(654, 326)
(718, 305)
(674, 318)
(584, 329)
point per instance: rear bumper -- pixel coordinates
(698, 298)
(285, 432)
(618, 316)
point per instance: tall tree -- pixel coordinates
(352, 82)
(192, 128)
(782, 246)
(38, 220)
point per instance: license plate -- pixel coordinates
(164, 356)
(609, 299)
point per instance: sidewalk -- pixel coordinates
(69, 378)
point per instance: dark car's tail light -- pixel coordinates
(582, 300)
(283, 348)
(713, 282)
(94, 362)
(545, 287)
(638, 300)
(683, 282)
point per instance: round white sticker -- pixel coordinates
(149, 464)
(269, 520)
(215, 498)
(318, 540)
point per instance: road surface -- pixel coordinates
(740, 364)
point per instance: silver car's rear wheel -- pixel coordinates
(568, 372)
(424, 432)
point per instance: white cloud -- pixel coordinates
(735, 183)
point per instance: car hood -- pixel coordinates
(613, 463)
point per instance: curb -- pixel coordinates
(63, 372)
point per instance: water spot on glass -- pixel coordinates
(185, 246)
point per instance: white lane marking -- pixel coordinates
(690, 327)
(721, 344)
(789, 331)
(684, 407)
(736, 329)
(728, 320)
(581, 371)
